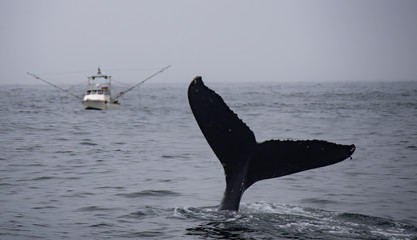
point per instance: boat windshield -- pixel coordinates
(100, 92)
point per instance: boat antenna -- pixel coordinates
(153, 75)
(33, 75)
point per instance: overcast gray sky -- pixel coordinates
(266, 40)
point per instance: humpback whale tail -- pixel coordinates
(244, 160)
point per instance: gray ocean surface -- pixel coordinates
(146, 172)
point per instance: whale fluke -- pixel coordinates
(244, 160)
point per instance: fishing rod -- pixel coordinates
(153, 75)
(33, 75)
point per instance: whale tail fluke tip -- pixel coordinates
(197, 80)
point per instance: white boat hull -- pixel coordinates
(100, 105)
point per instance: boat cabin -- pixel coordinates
(98, 94)
(98, 88)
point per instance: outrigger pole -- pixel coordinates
(33, 75)
(153, 75)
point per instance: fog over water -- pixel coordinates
(221, 40)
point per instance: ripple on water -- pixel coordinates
(149, 193)
(97, 209)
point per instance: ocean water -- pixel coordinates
(146, 172)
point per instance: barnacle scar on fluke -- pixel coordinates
(244, 160)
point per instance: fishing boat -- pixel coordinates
(98, 93)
